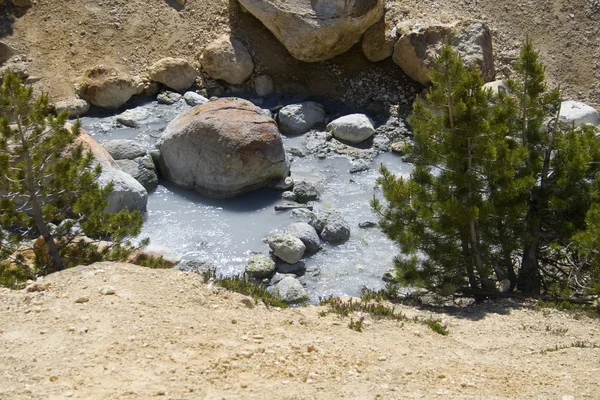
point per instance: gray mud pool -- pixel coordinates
(227, 232)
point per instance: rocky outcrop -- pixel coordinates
(379, 40)
(222, 149)
(300, 118)
(316, 30)
(353, 128)
(227, 59)
(127, 194)
(75, 107)
(287, 248)
(107, 87)
(174, 73)
(420, 42)
(577, 114)
(290, 290)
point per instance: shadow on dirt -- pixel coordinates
(8, 15)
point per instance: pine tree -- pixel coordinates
(561, 164)
(45, 177)
(437, 216)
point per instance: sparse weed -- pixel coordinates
(241, 284)
(436, 326)
(577, 344)
(356, 325)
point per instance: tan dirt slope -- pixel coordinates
(65, 37)
(164, 334)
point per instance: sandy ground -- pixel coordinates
(166, 334)
(64, 38)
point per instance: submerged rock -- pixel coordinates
(223, 149)
(305, 192)
(287, 248)
(290, 290)
(331, 226)
(307, 234)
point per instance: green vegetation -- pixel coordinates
(47, 178)
(579, 345)
(437, 327)
(356, 325)
(243, 285)
(500, 188)
(371, 302)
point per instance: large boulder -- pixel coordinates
(307, 234)
(222, 149)
(107, 87)
(331, 226)
(287, 248)
(379, 40)
(227, 59)
(420, 43)
(353, 128)
(300, 118)
(290, 290)
(577, 113)
(127, 194)
(316, 30)
(174, 73)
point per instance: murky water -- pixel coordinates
(227, 232)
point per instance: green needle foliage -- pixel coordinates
(498, 189)
(46, 177)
